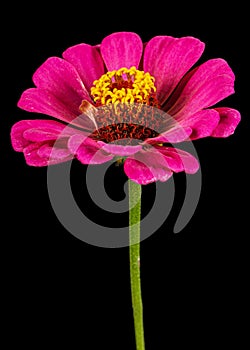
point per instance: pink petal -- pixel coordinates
(87, 151)
(87, 61)
(28, 131)
(119, 150)
(39, 154)
(61, 79)
(76, 141)
(43, 101)
(202, 123)
(229, 119)
(46, 151)
(122, 49)
(205, 86)
(31, 156)
(168, 59)
(43, 142)
(179, 160)
(146, 167)
(41, 134)
(174, 135)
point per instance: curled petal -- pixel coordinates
(43, 154)
(87, 151)
(174, 135)
(25, 132)
(202, 123)
(179, 160)
(229, 119)
(56, 154)
(147, 167)
(122, 49)
(119, 150)
(43, 142)
(89, 110)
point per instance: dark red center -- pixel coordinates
(120, 131)
(130, 123)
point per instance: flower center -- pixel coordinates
(120, 131)
(126, 86)
(126, 108)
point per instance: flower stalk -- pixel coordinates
(134, 252)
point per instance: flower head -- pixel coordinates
(126, 99)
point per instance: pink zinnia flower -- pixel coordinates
(129, 100)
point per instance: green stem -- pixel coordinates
(134, 252)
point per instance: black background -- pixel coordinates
(59, 290)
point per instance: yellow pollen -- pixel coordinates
(123, 85)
